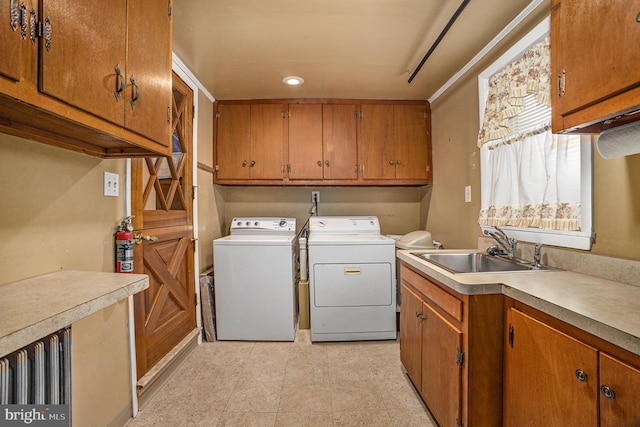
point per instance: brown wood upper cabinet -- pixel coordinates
(594, 62)
(395, 142)
(250, 142)
(336, 142)
(90, 76)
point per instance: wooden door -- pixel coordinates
(162, 208)
(376, 142)
(267, 141)
(233, 141)
(551, 379)
(441, 372)
(339, 143)
(619, 405)
(305, 141)
(84, 64)
(411, 319)
(148, 71)
(597, 64)
(411, 141)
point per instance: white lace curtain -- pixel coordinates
(530, 178)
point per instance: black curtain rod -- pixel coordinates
(440, 37)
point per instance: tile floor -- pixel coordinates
(229, 383)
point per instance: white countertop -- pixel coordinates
(33, 308)
(609, 310)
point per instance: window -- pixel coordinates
(536, 186)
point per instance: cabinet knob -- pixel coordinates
(391, 162)
(422, 318)
(253, 163)
(244, 163)
(607, 392)
(326, 162)
(398, 162)
(581, 376)
(319, 162)
(638, 18)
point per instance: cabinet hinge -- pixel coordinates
(194, 243)
(217, 114)
(169, 8)
(217, 168)
(562, 83)
(169, 114)
(511, 336)
(459, 357)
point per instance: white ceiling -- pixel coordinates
(359, 49)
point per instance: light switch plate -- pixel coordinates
(467, 194)
(111, 184)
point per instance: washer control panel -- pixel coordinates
(263, 225)
(344, 225)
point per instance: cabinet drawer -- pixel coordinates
(447, 302)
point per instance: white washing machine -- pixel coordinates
(255, 280)
(352, 279)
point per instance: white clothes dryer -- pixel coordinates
(255, 280)
(352, 279)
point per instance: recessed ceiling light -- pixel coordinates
(293, 80)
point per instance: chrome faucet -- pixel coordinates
(507, 243)
(536, 256)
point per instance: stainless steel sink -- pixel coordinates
(475, 262)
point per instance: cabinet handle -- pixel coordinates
(253, 163)
(24, 22)
(638, 18)
(136, 91)
(15, 14)
(422, 318)
(581, 376)
(391, 162)
(398, 162)
(608, 392)
(326, 162)
(244, 163)
(319, 162)
(46, 34)
(119, 82)
(33, 25)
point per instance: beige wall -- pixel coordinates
(398, 209)
(55, 217)
(455, 126)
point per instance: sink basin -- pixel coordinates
(475, 262)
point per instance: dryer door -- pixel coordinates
(353, 285)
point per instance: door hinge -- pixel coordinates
(459, 357)
(194, 188)
(511, 336)
(217, 168)
(195, 299)
(195, 244)
(562, 83)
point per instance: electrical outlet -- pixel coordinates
(467, 194)
(111, 184)
(315, 197)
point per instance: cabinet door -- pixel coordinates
(11, 41)
(376, 142)
(267, 141)
(550, 379)
(233, 132)
(411, 319)
(441, 372)
(619, 404)
(597, 64)
(148, 70)
(87, 44)
(339, 141)
(411, 141)
(305, 141)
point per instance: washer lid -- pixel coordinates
(347, 239)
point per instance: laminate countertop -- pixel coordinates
(607, 309)
(33, 308)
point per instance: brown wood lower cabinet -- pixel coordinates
(558, 375)
(451, 347)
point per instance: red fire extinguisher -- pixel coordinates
(124, 246)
